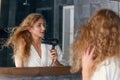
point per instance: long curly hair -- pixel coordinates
(21, 38)
(103, 31)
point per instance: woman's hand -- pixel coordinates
(87, 62)
(54, 55)
(54, 58)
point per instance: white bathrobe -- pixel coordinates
(108, 70)
(45, 60)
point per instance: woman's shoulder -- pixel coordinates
(109, 64)
(108, 70)
(111, 61)
(113, 68)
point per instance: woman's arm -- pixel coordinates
(18, 62)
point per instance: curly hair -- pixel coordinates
(103, 31)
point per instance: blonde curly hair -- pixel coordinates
(102, 30)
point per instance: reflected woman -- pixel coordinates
(28, 49)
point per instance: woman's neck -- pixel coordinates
(36, 41)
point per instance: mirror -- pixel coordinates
(12, 12)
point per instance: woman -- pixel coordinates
(97, 49)
(29, 51)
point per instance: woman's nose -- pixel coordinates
(43, 27)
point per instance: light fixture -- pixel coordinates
(26, 3)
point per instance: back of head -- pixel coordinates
(104, 18)
(103, 31)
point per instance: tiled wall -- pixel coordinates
(85, 8)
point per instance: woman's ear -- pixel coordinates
(30, 29)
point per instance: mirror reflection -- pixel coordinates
(18, 19)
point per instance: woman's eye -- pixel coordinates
(39, 25)
(44, 25)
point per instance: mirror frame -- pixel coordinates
(35, 71)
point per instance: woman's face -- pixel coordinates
(38, 28)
